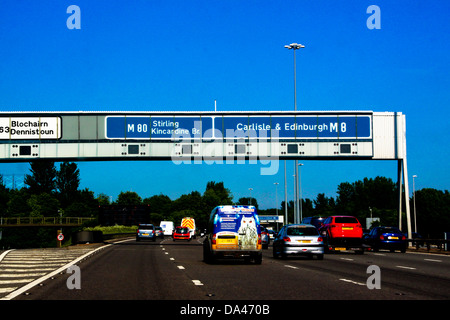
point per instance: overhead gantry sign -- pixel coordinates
(215, 135)
(205, 136)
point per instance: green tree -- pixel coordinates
(160, 204)
(248, 201)
(43, 205)
(18, 203)
(324, 206)
(129, 198)
(103, 199)
(433, 212)
(5, 195)
(214, 196)
(43, 177)
(67, 182)
(362, 196)
(84, 204)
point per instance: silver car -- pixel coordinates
(298, 239)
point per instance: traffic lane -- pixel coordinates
(126, 271)
(396, 279)
(275, 279)
(423, 263)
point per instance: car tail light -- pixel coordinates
(403, 238)
(319, 239)
(381, 237)
(286, 239)
(213, 240)
(259, 239)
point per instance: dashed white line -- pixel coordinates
(197, 282)
(348, 259)
(354, 282)
(403, 267)
(292, 267)
(433, 260)
(180, 267)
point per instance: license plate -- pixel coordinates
(145, 234)
(304, 241)
(347, 228)
(339, 249)
(226, 241)
(394, 238)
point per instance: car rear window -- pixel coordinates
(144, 227)
(302, 231)
(389, 230)
(345, 220)
(182, 230)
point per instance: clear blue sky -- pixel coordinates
(182, 55)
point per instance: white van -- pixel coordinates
(167, 227)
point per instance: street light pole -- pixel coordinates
(414, 202)
(276, 200)
(300, 190)
(295, 46)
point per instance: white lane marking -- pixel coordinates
(30, 285)
(6, 290)
(288, 266)
(21, 275)
(197, 282)
(25, 280)
(172, 259)
(354, 282)
(180, 267)
(348, 259)
(5, 253)
(433, 260)
(403, 267)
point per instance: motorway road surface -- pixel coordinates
(168, 270)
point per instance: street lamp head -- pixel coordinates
(415, 176)
(294, 46)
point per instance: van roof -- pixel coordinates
(236, 207)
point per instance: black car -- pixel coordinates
(315, 221)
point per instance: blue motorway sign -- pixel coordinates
(295, 127)
(157, 127)
(236, 127)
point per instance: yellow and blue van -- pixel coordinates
(235, 232)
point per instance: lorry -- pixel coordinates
(189, 223)
(167, 227)
(235, 232)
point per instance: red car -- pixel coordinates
(342, 233)
(181, 233)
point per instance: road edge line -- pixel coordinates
(34, 283)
